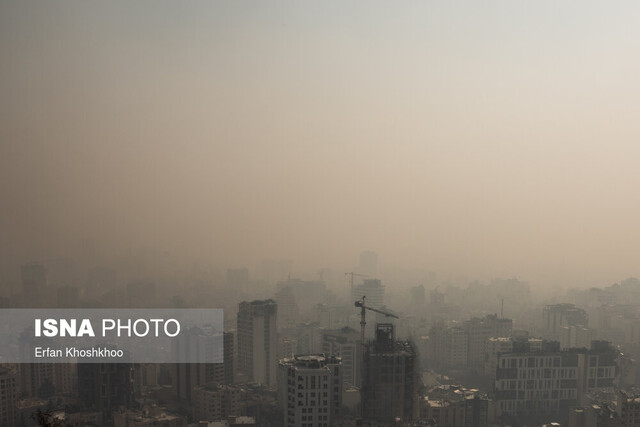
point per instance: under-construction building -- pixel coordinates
(390, 379)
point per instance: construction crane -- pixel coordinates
(363, 307)
(351, 280)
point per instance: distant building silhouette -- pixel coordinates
(373, 290)
(479, 330)
(8, 397)
(257, 341)
(345, 343)
(202, 344)
(557, 315)
(105, 387)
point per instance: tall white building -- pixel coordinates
(258, 341)
(310, 390)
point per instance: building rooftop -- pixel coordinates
(313, 361)
(399, 347)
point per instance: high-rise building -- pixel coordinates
(287, 307)
(64, 377)
(345, 343)
(185, 377)
(557, 315)
(37, 379)
(106, 387)
(417, 298)
(257, 341)
(326, 315)
(390, 379)
(216, 402)
(306, 295)
(549, 381)
(8, 398)
(436, 298)
(479, 330)
(494, 347)
(310, 390)
(447, 347)
(274, 270)
(373, 290)
(44, 379)
(308, 338)
(229, 363)
(201, 344)
(145, 376)
(628, 409)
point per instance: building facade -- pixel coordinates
(8, 398)
(257, 341)
(310, 390)
(550, 381)
(390, 378)
(345, 343)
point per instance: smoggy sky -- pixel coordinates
(493, 138)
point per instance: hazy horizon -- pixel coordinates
(492, 139)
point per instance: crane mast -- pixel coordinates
(363, 321)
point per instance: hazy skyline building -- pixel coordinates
(106, 387)
(257, 341)
(557, 315)
(479, 330)
(345, 343)
(373, 290)
(8, 397)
